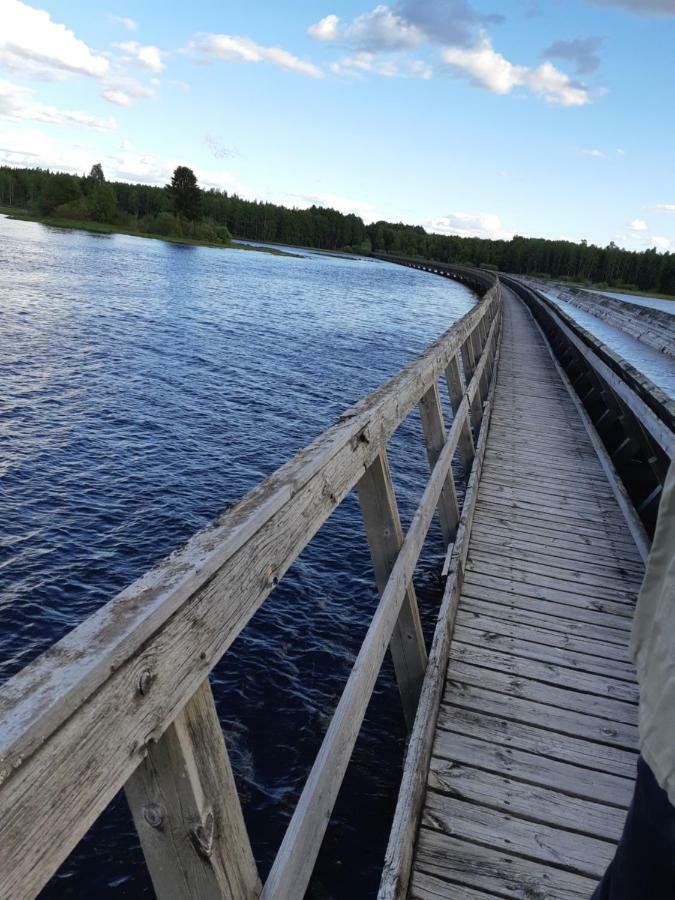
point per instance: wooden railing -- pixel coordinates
(124, 700)
(633, 418)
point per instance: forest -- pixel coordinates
(212, 215)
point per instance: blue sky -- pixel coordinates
(550, 119)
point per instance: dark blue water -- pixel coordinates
(144, 387)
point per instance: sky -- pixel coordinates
(548, 118)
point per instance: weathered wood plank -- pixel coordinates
(566, 645)
(548, 652)
(504, 584)
(552, 846)
(431, 415)
(175, 623)
(456, 389)
(385, 539)
(187, 812)
(398, 858)
(566, 736)
(499, 873)
(525, 800)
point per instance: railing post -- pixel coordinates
(187, 812)
(385, 538)
(431, 413)
(469, 361)
(456, 388)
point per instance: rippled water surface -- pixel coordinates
(147, 385)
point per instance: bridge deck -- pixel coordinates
(534, 753)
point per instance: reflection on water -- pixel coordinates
(145, 386)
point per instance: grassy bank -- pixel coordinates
(106, 228)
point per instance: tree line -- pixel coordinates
(183, 209)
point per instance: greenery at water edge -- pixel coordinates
(183, 210)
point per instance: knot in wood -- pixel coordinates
(145, 681)
(202, 835)
(153, 814)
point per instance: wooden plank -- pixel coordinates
(455, 383)
(187, 812)
(543, 843)
(546, 732)
(614, 711)
(426, 887)
(398, 858)
(565, 577)
(503, 585)
(80, 702)
(431, 414)
(385, 539)
(545, 672)
(659, 431)
(292, 868)
(547, 652)
(550, 550)
(614, 628)
(527, 801)
(499, 873)
(561, 641)
(553, 534)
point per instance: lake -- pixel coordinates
(146, 386)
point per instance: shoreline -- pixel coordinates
(21, 215)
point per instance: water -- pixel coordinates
(147, 385)
(653, 302)
(658, 367)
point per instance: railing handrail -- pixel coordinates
(79, 721)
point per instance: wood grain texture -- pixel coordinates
(535, 742)
(82, 703)
(187, 812)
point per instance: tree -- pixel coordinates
(102, 202)
(186, 198)
(96, 172)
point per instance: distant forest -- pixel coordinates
(152, 210)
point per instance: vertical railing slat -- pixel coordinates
(431, 413)
(465, 447)
(385, 538)
(187, 813)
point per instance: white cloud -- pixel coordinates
(641, 7)
(620, 152)
(125, 22)
(243, 50)
(326, 29)
(662, 207)
(637, 225)
(365, 62)
(125, 91)
(21, 146)
(180, 85)
(483, 225)
(34, 45)
(661, 243)
(488, 68)
(594, 152)
(17, 103)
(381, 29)
(148, 57)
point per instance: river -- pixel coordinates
(146, 385)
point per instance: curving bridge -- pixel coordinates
(523, 710)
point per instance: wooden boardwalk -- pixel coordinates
(535, 747)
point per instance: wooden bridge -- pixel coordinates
(522, 713)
